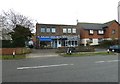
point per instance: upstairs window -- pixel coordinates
(100, 32)
(113, 31)
(42, 29)
(91, 32)
(74, 30)
(48, 30)
(64, 30)
(53, 30)
(69, 30)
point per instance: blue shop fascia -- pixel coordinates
(59, 41)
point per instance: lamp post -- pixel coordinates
(119, 12)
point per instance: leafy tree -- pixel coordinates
(20, 35)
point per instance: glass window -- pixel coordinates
(48, 29)
(73, 30)
(90, 40)
(91, 31)
(113, 31)
(76, 43)
(42, 29)
(100, 40)
(69, 30)
(100, 32)
(53, 30)
(64, 30)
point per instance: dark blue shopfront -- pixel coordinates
(45, 39)
(57, 41)
(53, 42)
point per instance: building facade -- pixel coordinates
(55, 35)
(93, 34)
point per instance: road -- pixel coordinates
(62, 69)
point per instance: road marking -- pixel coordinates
(46, 66)
(107, 61)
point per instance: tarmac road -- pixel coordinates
(62, 69)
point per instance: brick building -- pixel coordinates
(94, 33)
(56, 35)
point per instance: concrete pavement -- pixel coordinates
(42, 53)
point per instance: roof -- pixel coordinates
(109, 23)
(95, 26)
(55, 24)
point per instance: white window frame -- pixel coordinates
(64, 30)
(91, 32)
(53, 30)
(48, 29)
(69, 30)
(42, 29)
(100, 32)
(74, 30)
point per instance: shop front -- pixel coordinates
(58, 41)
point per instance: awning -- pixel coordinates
(45, 39)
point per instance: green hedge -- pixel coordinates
(76, 49)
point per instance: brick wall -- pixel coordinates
(9, 51)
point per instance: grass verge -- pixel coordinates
(86, 54)
(10, 57)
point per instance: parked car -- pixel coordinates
(114, 48)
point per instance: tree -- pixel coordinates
(11, 18)
(20, 35)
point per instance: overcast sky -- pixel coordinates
(64, 11)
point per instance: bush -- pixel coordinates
(107, 43)
(76, 49)
(84, 49)
(7, 44)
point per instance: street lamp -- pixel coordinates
(119, 12)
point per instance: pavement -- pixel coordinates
(42, 53)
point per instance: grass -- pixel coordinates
(10, 57)
(86, 54)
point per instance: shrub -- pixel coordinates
(76, 49)
(84, 49)
(107, 43)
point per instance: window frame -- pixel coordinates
(64, 29)
(42, 30)
(101, 32)
(91, 32)
(47, 30)
(53, 30)
(69, 30)
(74, 30)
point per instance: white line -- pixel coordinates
(99, 61)
(107, 61)
(34, 67)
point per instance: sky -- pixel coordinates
(64, 11)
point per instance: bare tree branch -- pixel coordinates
(10, 19)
